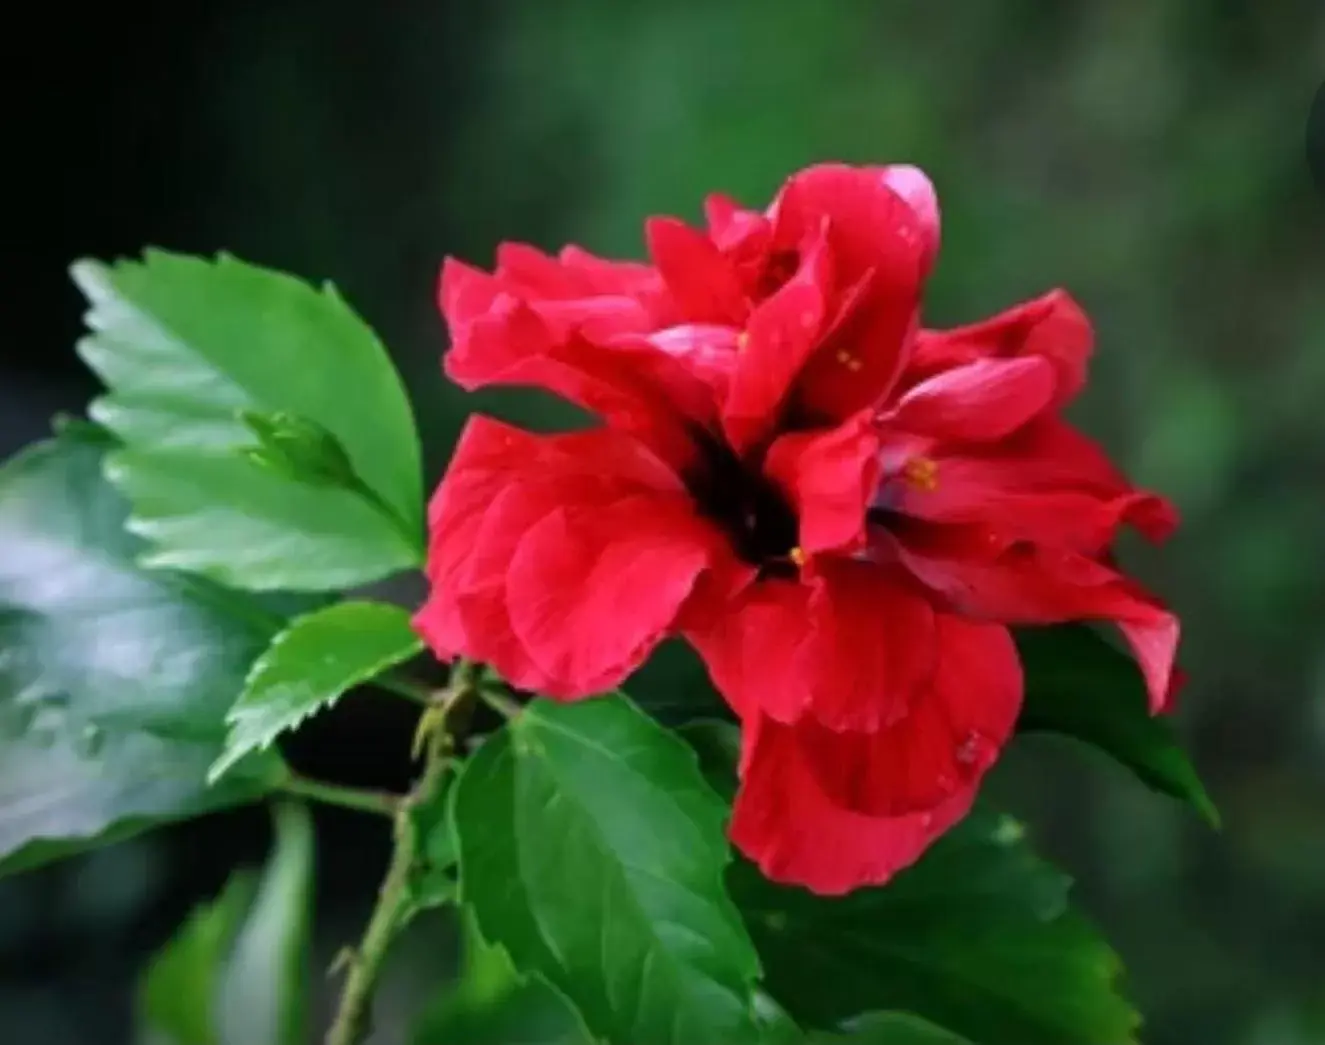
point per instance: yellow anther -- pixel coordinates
(922, 473)
(848, 360)
(742, 339)
(797, 555)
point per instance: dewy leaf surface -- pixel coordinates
(114, 681)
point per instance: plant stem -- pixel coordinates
(353, 1015)
(379, 802)
(403, 687)
(499, 701)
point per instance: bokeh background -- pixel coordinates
(1145, 154)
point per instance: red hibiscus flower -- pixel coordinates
(842, 511)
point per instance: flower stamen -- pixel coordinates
(922, 473)
(797, 555)
(849, 361)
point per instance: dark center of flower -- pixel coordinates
(779, 267)
(750, 509)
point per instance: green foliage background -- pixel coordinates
(1145, 155)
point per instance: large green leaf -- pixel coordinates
(890, 1028)
(236, 972)
(975, 938)
(592, 850)
(1079, 686)
(310, 664)
(240, 394)
(114, 682)
(491, 1005)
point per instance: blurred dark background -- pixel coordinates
(1146, 154)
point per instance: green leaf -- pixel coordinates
(491, 1005)
(175, 995)
(309, 665)
(891, 1028)
(300, 449)
(432, 879)
(236, 971)
(268, 441)
(975, 938)
(592, 850)
(1080, 686)
(114, 682)
(263, 992)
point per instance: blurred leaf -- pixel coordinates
(191, 350)
(890, 1028)
(175, 995)
(236, 972)
(113, 681)
(592, 850)
(1079, 686)
(263, 992)
(975, 938)
(309, 665)
(491, 1005)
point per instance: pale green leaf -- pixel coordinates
(309, 665)
(195, 353)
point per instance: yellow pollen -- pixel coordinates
(797, 555)
(922, 473)
(848, 360)
(742, 339)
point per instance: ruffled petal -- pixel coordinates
(829, 478)
(787, 823)
(632, 384)
(782, 333)
(592, 589)
(978, 402)
(849, 647)
(703, 283)
(952, 732)
(502, 485)
(1052, 327)
(979, 575)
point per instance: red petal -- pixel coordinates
(978, 402)
(788, 824)
(752, 645)
(850, 648)
(1047, 484)
(1053, 327)
(615, 278)
(702, 282)
(881, 247)
(951, 734)
(632, 385)
(780, 337)
(914, 186)
(874, 225)
(829, 478)
(593, 589)
(1023, 584)
(501, 484)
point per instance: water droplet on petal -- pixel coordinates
(972, 749)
